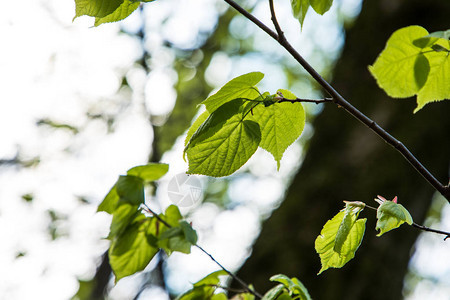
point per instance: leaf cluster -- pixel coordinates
(136, 237)
(342, 235)
(238, 119)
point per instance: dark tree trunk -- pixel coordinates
(346, 161)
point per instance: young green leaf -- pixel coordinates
(109, 203)
(204, 288)
(299, 9)
(239, 87)
(172, 215)
(131, 252)
(224, 142)
(395, 69)
(391, 215)
(274, 292)
(123, 215)
(124, 10)
(281, 124)
(321, 6)
(295, 287)
(96, 8)
(243, 296)
(432, 38)
(437, 86)
(130, 189)
(173, 239)
(194, 127)
(149, 172)
(326, 242)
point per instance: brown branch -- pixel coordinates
(316, 101)
(339, 100)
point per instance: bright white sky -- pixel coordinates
(51, 68)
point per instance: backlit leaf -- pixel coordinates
(432, 38)
(109, 203)
(123, 215)
(130, 189)
(204, 288)
(326, 242)
(149, 172)
(96, 8)
(197, 123)
(391, 215)
(321, 6)
(224, 142)
(299, 9)
(294, 286)
(239, 87)
(131, 252)
(437, 86)
(281, 124)
(124, 10)
(395, 68)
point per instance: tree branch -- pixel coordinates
(339, 100)
(242, 282)
(316, 101)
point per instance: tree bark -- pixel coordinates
(346, 161)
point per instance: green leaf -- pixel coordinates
(96, 8)
(123, 11)
(223, 143)
(109, 204)
(173, 239)
(391, 215)
(326, 242)
(321, 6)
(189, 233)
(243, 296)
(281, 124)
(432, 38)
(130, 189)
(295, 287)
(274, 292)
(437, 86)
(172, 215)
(395, 69)
(239, 87)
(124, 214)
(194, 127)
(131, 252)
(204, 288)
(299, 9)
(149, 172)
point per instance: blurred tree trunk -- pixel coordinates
(346, 161)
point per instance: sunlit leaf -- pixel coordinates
(123, 215)
(239, 87)
(274, 292)
(294, 286)
(281, 124)
(197, 123)
(120, 13)
(130, 189)
(437, 86)
(391, 215)
(326, 242)
(321, 6)
(96, 8)
(109, 203)
(204, 288)
(224, 142)
(299, 9)
(432, 38)
(131, 252)
(395, 69)
(149, 172)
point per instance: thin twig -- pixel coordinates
(339, 100)
(316, 101)
(242, 282)
(421, 227)
(275, 21)
(245, 285)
